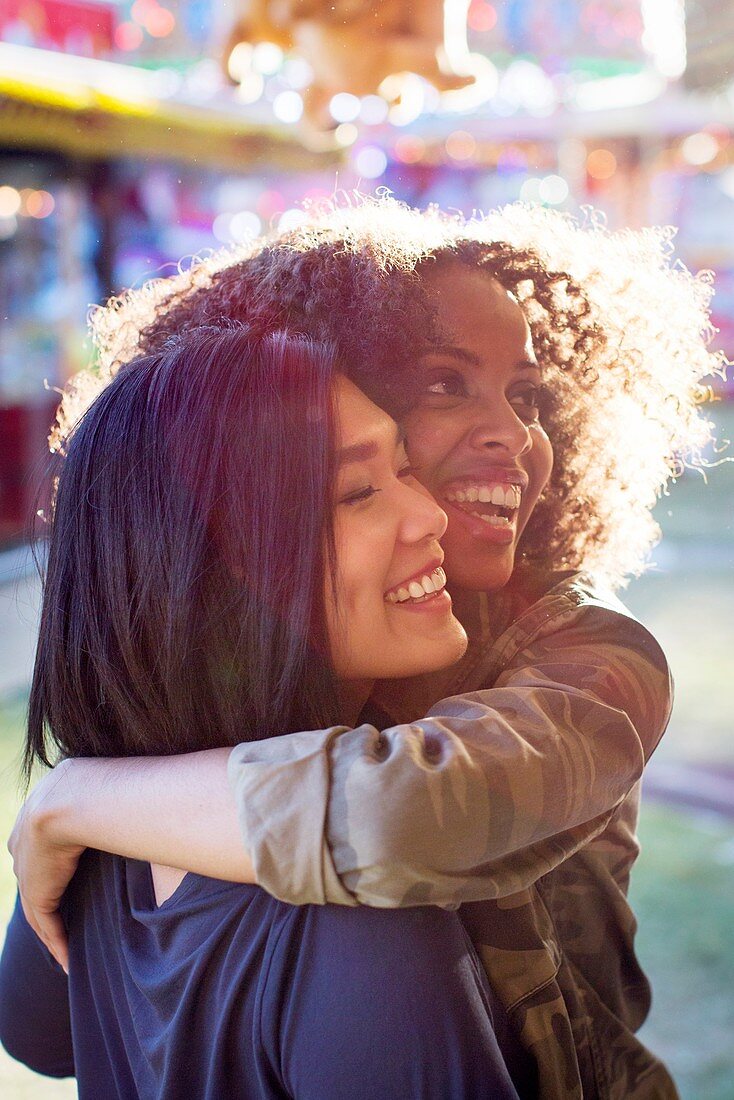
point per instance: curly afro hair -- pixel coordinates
(620, 331)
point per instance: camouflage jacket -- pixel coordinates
(515, 799)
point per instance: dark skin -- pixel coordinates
(476, 422)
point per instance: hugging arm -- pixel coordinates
(478, 800)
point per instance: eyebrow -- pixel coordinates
(469, 357)
(363, 452)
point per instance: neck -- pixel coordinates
(353, 694)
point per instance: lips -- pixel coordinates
(487, 501)
(493, 496)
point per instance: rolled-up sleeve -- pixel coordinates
(477, 800)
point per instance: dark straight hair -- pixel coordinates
(183, 602)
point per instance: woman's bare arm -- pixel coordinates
(122, 806)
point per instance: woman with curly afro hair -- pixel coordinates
(548, 379)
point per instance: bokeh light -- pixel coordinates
(699, 148)
(251, 88)
(10, 202)
(530, 190)
(159, 22)
(40, 204)
(370, 162)
(461, 145)
(344, 107)
(239, 62)
(128, 37)
(244, 225)
(220, 227)
(297, 72)
(267, 58)
(139, 10)
(553, 190)
(482, 16)
(291, 219)
(601, 164)
(288, 107)
(373, 110)
(8, 226)
(409, 149)
(346, 134)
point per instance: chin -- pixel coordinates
(430, 658)
(480, 573)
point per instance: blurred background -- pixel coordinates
(135, 134)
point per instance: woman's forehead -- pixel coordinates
(359, 420)
(473, 307)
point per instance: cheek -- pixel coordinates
(541, 459)
(364, 548)
(428, 439)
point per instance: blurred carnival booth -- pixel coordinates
(135, 133)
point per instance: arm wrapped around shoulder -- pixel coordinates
(479, 799)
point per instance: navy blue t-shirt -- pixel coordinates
(223, 992)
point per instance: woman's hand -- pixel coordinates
(178, 811)
(44, 860)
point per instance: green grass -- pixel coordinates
(683, 894)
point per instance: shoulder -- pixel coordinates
(582, 636)
(401, 1004)
(575, 613)
(352, 946)
(367, 960)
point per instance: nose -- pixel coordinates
(421, 519)
(497, 425)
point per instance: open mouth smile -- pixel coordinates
(495, 504)
(419, 589)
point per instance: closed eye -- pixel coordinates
(360, 495)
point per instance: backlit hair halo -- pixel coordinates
(621, 330)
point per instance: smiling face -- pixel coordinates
(391, 615)
(474, 434)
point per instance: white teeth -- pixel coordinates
(496, 521)
(416, 590)
(504, 496)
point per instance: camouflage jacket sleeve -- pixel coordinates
(483, 796)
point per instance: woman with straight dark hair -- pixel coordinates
(232, 522)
